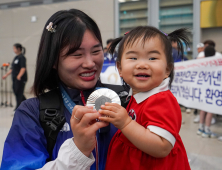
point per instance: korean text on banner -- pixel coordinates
(197, 84)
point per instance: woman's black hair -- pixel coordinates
(70, 26)
(20, 47)
(146, 33)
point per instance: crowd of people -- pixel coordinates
(142, 132)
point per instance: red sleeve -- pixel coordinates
(162, 110)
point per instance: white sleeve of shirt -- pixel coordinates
(70, 157)
(163, 133)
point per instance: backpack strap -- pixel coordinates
(51, 117)
(121, 91)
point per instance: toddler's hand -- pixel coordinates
(115, 114)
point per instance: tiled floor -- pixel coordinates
(203, 153)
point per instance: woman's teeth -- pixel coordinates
(87, 74)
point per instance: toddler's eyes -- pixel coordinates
(133, 58)
(152, 58)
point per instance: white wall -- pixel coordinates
(16, 27)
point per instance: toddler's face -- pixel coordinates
(144, 67)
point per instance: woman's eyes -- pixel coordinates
(96, 51)
(78, 55)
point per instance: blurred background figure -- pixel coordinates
(206, 118)
(177, 57)
(200, 48)
(108, 58)
(19, 73)
(206, 49)
(108, 42)
(208, 43)
(209, 51)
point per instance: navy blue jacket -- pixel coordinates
(25, 145)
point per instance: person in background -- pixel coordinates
(19, 73)
(209, 51)
(108, 42)
(200, 48)
(177, 56)
(207, 43)
(206, 118)
(108, 58)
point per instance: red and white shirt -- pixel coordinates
(159, 111)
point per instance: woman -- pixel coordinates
(70, 56)
(19, 73)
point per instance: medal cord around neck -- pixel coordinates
(96, 148)
(83, 98)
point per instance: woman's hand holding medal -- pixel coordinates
(84, 128)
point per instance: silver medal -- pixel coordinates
(101, 96)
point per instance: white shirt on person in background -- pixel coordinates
(201, 55)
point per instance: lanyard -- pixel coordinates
(83, 98)
(69, 104)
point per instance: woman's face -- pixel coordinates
(16, 50)
(81, 70)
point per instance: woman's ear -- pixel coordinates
(119, 68)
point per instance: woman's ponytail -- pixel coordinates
(23, 50)
(19, 46)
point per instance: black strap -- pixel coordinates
(122, 93)
(52, 113)
(51, 117)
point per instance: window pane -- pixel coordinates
(177, 14)
(132, 14)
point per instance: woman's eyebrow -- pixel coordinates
(95, 46)
(98, 45)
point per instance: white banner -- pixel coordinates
(197, 84)
(110, 74)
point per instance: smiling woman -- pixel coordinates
(84, 65)
(69, 62)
